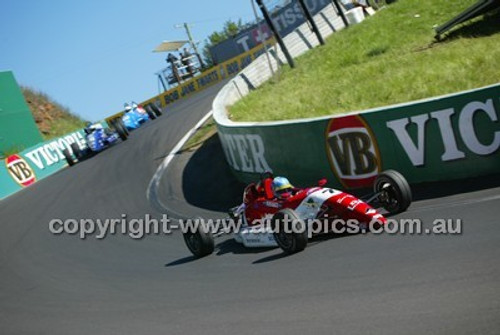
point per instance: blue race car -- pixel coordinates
(98, 138)
(135, 115)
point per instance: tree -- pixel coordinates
(229, 30)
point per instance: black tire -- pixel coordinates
(68, 157)
(293, 239)
(121, 130)
(122, 125)
(76, 151)
(150, 112)
(156, 109)
(396, 194)
(117, 123)
(200, 242)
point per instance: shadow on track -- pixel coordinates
(233, 247)
(207, 181)
(181, 261)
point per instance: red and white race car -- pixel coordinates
(268, 220)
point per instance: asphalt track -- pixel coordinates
(363, 284)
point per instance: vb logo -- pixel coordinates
(20, 170)
(352, 151)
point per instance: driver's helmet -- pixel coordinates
(88, 128)
(134, 105)
(282, 188)
(128, 108)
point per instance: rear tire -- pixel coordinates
(68, 157)
(396, 194)
(200, 242)
(118, 123)
(291, 238)
(76, 151)
(156, 109)
(150, 112)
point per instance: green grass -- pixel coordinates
(203, 133)
(52, 118)
(389, 58)
(63, 126)
(11, 151)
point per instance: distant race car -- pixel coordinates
(97, 138)
(135, 115)
(305, 209)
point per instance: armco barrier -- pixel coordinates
(443, 138)
(27, 167)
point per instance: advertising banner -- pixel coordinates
(450, 137)
(27, 167)
(206, 79)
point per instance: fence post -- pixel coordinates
(275, 31)
(310, 18)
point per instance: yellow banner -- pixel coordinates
(207, 78)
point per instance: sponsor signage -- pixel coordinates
(443, 138)
(464, 129)
(245, 153)
(50, 153)
(286, 20)
(352, 151)
(208, 78)
(29, 166)
(20, 170)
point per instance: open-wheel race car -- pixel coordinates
(97, 139)
(136, 115)
(276, 214)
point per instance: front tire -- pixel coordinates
(122, 125)
(395, 192)
(68, 157)
(199, 242)
(290, 232)
(121, 130)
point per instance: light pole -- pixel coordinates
(190, 38)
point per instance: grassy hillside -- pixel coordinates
(52, 119)
(389, 58)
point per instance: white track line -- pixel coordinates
(152, 191)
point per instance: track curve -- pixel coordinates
(357, 284)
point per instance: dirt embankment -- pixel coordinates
(52, 118)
